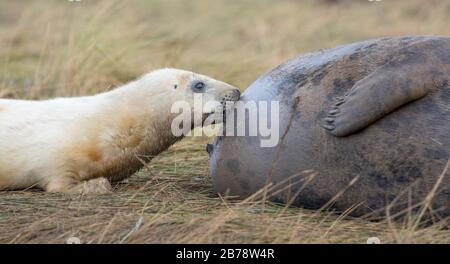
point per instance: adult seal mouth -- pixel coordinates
(364, 128)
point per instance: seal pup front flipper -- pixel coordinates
(386, 89)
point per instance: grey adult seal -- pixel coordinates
(366, 123)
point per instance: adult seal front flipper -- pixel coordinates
(391, 86)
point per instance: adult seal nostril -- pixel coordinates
(365, 123)
(209, 148)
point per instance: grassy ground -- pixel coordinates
(61, 48)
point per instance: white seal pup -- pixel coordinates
(80, 144)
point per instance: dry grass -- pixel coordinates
(171, 201)
(59, 48)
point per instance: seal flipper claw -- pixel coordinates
(333, 111)
(338, 103)
(380, 93)
(329, 119)
(328, 127)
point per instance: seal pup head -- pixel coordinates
(202, 93)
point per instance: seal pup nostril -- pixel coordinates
(237, 94)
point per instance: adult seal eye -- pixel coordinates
(198, 87)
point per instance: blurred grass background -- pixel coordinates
(54, 48)
(58, 47)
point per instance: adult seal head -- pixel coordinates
(363, 128)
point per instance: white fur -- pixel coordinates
(62, 144)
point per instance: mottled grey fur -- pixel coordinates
(376, 111)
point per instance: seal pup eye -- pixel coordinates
(198, 87)
(175, 86)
